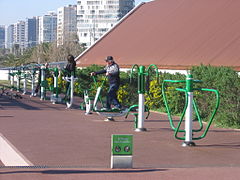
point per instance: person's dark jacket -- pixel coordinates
(113, 71)
(71, 66)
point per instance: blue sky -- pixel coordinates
(12, 11)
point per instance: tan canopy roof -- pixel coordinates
(173, 34)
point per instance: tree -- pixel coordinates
(44, 52)
(41, 53)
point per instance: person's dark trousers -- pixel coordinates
(37, 88)
(112, 96)
(67, 88)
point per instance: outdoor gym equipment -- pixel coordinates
(190, 105)
(22, 73)
(142, 74)
(33, 75)
(12, 75)
(19, 74)
(98, 94)
(87, 104)
(70, 90)
(26, 75)
(16, 74)
(55, 92)
(133, 110)
(109, 114)
(44, 83)
(24, 82)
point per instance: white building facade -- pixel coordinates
(19, 36)
(47, 28)
(96, 17)
(66, 24)
(9, 36)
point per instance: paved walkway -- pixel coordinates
(64, 143)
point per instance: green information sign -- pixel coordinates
(122, 144)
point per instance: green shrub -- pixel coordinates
(85, 81)
(227, 82)
(154, 98)
(176, 99)
(127, 93)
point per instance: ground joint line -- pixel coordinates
(10, 156)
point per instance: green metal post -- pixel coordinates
(141, 99)
(189, 112)
(25, 83)
(141, 80)
(18, 80)
(56, 89)
(43, 83)
(33, 71)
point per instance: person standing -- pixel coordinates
(70, 69)
(71, 66)
(112, 72)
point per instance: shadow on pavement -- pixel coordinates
(34, 103)
(83, 171)
(232, 145)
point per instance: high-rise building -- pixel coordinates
(2, 36)
(37, 29)
(9, 34)
(31, 31)
(48, 28)
(96, 17)
(19, 36)
(66, 24)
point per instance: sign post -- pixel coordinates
(122, 151)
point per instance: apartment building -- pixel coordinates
(48, 28)
(9, 34)
(2, 36)
(66, 24)
(31, 31)
(19, 36)
(22, 34)
(96, 17)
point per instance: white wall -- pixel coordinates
(4, 74)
